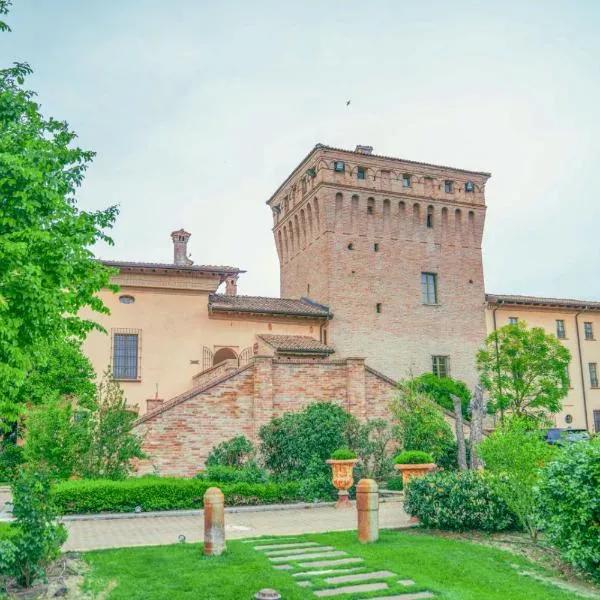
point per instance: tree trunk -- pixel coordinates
(478, 407)
(460, 434)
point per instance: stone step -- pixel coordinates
(325, 572)
(406, 582)
(282, 546)
(417, 596)
(265, 540)
(308, 556)
(304, 583)
(331, 563)
(361, 577)
(283, 567)
(296, 550)
(352, 589)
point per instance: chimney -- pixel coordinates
(231, 286)
(364, 149)
(180, 256)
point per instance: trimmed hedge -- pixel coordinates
(413, 457)
(161, 493)
(246, 474)
(457, 501)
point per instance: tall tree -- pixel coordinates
(525, 370)
(478, 408)
(48, 273)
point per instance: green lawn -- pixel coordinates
(451, 569)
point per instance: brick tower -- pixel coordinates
(393, 247)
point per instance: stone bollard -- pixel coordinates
(214, 522)
(367, 506)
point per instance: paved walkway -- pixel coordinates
(152, 531)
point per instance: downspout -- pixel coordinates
(585, 410)
(498, 361)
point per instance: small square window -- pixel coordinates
(376, 247)
(338, 166)
(589, 330)
(440, 366)
(513, 320)
(406, 180)
(560, 329)
(469, 187)
(360, 173)
(378, 307)
(448, 186)
(429, 293)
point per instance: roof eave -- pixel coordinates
(268, 312)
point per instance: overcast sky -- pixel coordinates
(199, 109)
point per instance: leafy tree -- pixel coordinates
(47, 271)
(371, 440)
(514, 455)
(441, 390)
(421, 425)
(524, 370)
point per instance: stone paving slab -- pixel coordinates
(361, 577)
(416, 596)
(325, 572)
(278, 546)
(296, 550)
(331, 563)
(152, 531)
(329, 554)
(406, 582)
(352, 589)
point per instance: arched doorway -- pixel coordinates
(223, 354)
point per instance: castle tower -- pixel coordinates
(393, 247)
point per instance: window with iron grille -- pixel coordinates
(440, 366)
(429, 293)
(126, 354)
(593, 367)
(560, 329)
(588, 330)
(597, 421)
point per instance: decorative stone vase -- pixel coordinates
(342, 479)
(409, 471)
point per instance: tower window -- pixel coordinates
(308, 289)
(378, 307)
(369, 210)
(376, 247)
(448, 186)
(406, 180)
(350, 246)
(588, 330)
(560, 329)
(360, 173)
(429, 292)
(469, 186)
(440, 366)
(429, 221)
(339, 166)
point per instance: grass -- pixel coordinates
(452, 569)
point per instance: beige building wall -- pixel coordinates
(583, 399)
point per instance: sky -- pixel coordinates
(199, 109)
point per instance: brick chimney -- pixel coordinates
(180, 256)
(231, 286)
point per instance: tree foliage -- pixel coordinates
(372, 442)
(524, 370)
(441, 390)
(47, 270)
(231, 453)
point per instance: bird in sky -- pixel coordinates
(348, 102)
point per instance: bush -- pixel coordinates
(371, 441)
(251, 473)
(343, 454)
(571, 504)
(514, 456)
(413, 457)
(395, 484)
(11, 458)
(316, 485)
(162, 493)
(231, 453)
(457, 501)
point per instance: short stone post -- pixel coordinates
(214, 522)
(367, 505)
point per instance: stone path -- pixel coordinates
(325, 580)
(140, 530)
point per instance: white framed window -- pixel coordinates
(440, 366)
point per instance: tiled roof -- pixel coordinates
(263, 305)
(540, 301)
(296, 344)
(170, 266)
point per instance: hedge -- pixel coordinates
(161, 493)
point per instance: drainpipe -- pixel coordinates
(585, 410)
(498, 361)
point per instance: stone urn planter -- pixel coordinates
(413, 463)
(342, 479)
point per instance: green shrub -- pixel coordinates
(251, 473)
(441, 390)
(231, 453)
(371, 440)
(413, 457)
(457, 501)
(11, 458)
(570, 488)
(395, 484)
(343, 454)
(162, 493)
(317, 485)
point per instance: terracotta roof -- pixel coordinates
(170, 266)
(296, 344)
(403, 160)
(540, 301)
(263, 305)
